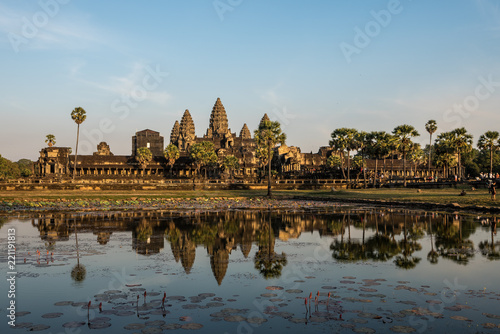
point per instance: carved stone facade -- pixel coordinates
(103, 163)
(150, 139)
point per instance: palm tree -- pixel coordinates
(267, 136)
(404, 133)
(50, 139)
(171, 153)
(143, 155)
(462, 143)
(430, 127)
(230, 163)
(344, 139)
(202, 154)
(378, 147)
(489, 141)
(363, 140)
(78, 115)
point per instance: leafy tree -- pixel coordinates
(378, 147)
(78, 115)
(25, 167)
(202, 154)
(489, 141)
(230, 163)
(403, 135)
(143, 155)
(171, 153)
(8, 169)
(462, 143)
(430, 127)
(363, 140)
(344, 140)
(267, 137)
(333, 161)
(50, 139)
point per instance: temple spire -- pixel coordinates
(218, 121)
(245, 132)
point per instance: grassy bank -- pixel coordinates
(430, 196)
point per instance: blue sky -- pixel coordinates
(312, 65)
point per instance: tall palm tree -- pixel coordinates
(344, 139)
(143, 156)
(462, 143)
(430, 127)
(50, 139)
(378, 147)
(267, 136)
(404, 133)
(489, 141)
(171, 153)
(78, 115)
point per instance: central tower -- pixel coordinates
(218, 126)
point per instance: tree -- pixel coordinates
(489, 141)
(362, 140)
(8, 169)
(344, 139)
(143, 155)
(378, 147)
(333, 161)
(403, 135)
(430, 127)
(202, 154)
(230, 163)
(78, 115)
(171, 153)
(50, 139)
(462, 143)
(267, 136)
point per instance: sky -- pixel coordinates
(313, 65)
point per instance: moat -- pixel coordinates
(323, 269)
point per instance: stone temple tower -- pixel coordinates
(218, 126)
(186, 132)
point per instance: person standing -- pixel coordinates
(493, 190)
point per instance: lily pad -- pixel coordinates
(151, 330)
(40, 327)
(74, 324)
(234, 318)
(402, 329)
(171, 326)
(134, 326)
(192, 326)
(274, 287)
(256, 320)
(363, 330)
(99, 325)
(51, 315)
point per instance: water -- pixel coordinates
(386, 270)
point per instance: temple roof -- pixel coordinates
(174, 134)
(264, 118)
(187, 126)
(245, 132)
(218, 120)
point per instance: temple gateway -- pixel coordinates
(289, 161)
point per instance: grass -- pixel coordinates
(442, 196)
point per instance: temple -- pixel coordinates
(288, 161)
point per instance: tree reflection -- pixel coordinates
(350, 251)
(408, 246)
(267, 262)
(491, 249)
(452, 239)
(432, 256)
(78, 273)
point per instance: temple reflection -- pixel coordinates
(353, 234)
